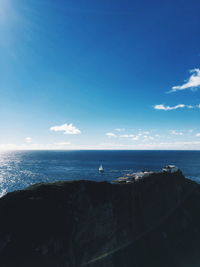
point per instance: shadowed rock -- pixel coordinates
(154, 222)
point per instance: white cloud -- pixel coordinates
(198, 134)
(63, 143)
(28, 140)
(127, 135)
(66, 128)
(174, 132)
(192, 82)
(147, 138)
(120, 129)
(132, 136)
(136, 137)
(163, 107)
(111, 135)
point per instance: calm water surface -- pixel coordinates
(20, 169)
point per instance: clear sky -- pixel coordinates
(109, 74)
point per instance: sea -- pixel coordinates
(19, 169)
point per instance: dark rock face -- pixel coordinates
(154, 222)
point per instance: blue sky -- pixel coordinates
(99, 74)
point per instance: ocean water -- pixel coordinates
(20, 169)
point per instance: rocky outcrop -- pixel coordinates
(154, 222)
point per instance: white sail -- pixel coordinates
(101, 168)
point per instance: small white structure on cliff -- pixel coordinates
(130, 178)
(170, 169)
(141, 175)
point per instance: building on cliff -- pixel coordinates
(170, 169)
(133, 177)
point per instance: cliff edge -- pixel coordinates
(154, 222)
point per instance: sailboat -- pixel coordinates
(101, 169)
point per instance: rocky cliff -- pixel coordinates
(154, 222)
